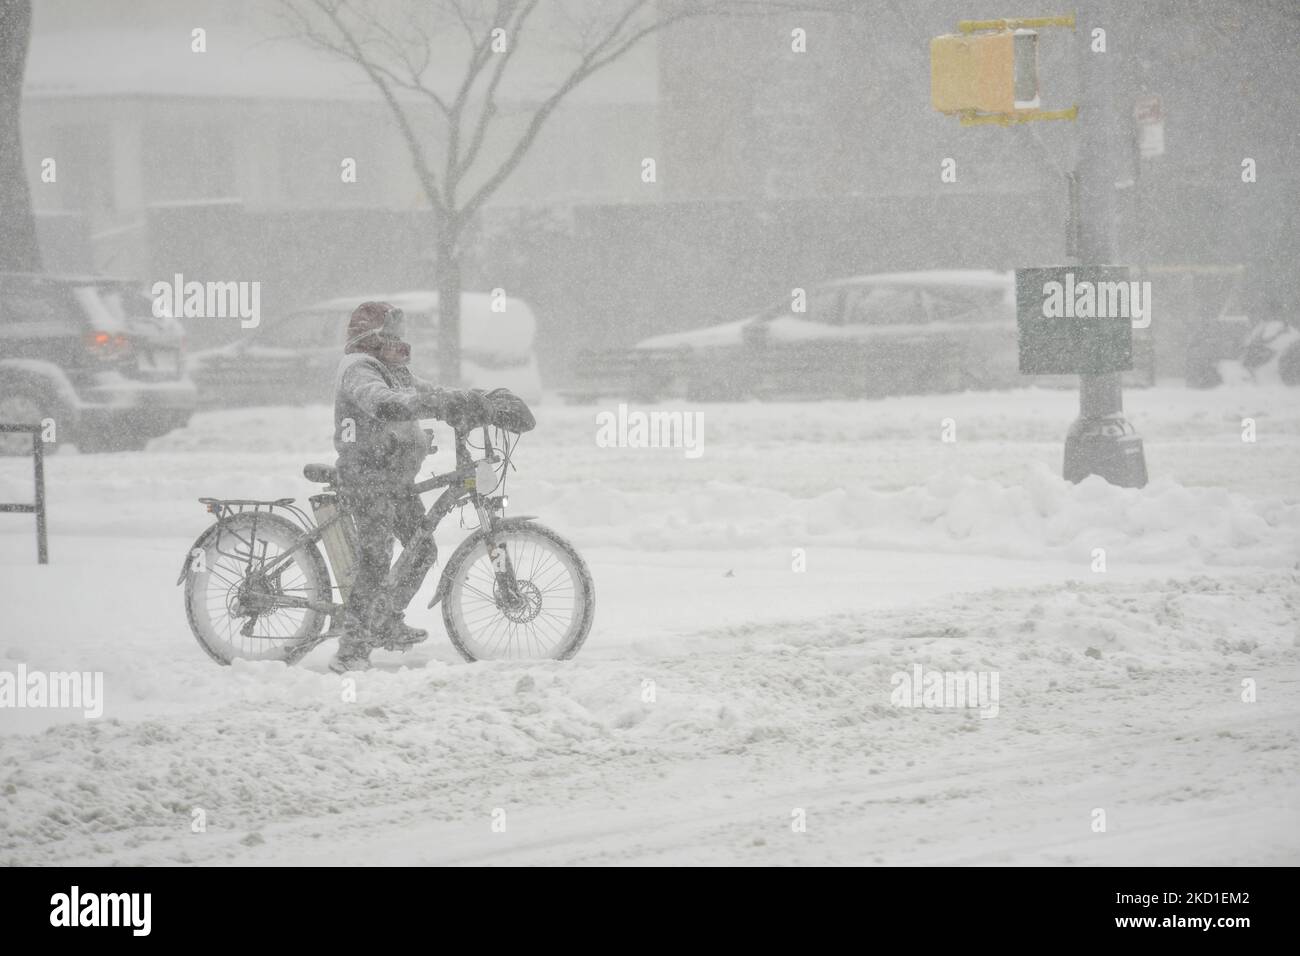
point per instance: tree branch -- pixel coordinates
(351, 49)
(489, 108)
(592, 61)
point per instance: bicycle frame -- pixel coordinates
(460, 486)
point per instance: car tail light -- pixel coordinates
(107, 346)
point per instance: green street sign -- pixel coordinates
(1079, 319)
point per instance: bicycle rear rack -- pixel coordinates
(226, 508)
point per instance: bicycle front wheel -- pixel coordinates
(547, 619)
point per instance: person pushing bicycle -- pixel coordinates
(257, 580)
(378, 403)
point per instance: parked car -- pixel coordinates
(87, 354)
(869, 336)
(888, 334)
(291, 359)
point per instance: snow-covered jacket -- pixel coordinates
(377, 409)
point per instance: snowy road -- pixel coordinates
(1120, 691)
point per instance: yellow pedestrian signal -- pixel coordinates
(984, 72)
(988, 73)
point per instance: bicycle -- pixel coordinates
(257, 586)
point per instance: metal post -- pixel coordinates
(1101, 441)
(38, 467)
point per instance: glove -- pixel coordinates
(478, 408)
(510, 412)
(468, 409)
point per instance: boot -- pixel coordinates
(398, 635)
(354, 645)
(351, 656)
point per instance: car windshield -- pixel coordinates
(883, 305)
(126, 304)
(965, 303)
(328, 330)
(820, 305)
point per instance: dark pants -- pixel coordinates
(381, 514)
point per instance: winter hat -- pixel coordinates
(376, 328)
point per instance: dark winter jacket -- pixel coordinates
(376, 430)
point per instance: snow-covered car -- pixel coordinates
(86, 354)
(291, 359)
(887, 334)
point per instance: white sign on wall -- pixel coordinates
(1150, 125)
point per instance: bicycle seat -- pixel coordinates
(323, 474)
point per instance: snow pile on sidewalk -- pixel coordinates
(1031, 514)
(1042, 515)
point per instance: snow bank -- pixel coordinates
(1039, 516)
(1035, 515)
(872, 475)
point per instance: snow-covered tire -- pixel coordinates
(469, 598)
(210, 587)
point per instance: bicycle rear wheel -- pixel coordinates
(549, 619)
(232, 603)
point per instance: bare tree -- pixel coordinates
(19, 251)
(394, 45)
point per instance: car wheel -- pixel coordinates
(718, 383)
(22, 407)
(167, 425)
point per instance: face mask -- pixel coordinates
(394, 353)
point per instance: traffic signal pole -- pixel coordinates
(1101, 441)
(988, 73)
